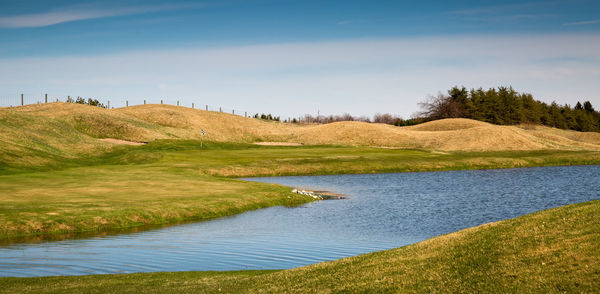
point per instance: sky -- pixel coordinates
(292, 58)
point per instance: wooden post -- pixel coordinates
(207, 107)
(220, 109)
(192, 105)
(126, 103)
(108, 104)
(245, 113)
(21, 99)
(68, 98)
(177, 102)
(46, 98)
(144, 101)
(233, 111)
(161, 101)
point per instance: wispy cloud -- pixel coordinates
(81, 12)
(503, 8)
(581, 23)
(526, 11)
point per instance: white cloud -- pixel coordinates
(75, 13)
(580, 23)
(357, 76)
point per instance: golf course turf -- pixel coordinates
(58, 179)
(169, 181)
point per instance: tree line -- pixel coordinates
(505, 106)
(384, 118)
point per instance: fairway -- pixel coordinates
(169, 181)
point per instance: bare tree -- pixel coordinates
(384, 118)
(440, 106)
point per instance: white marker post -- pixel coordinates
(202, 137)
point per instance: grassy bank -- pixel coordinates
(552, 251)
(110, 197)
(169, 181)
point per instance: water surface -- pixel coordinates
(382, 211)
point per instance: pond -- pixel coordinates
(382, 211)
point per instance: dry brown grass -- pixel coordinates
(187, 123)
(448, 135)
(70, 129)
(121, 142)
(451, 124)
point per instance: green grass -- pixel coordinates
(109, 197)
(552, 251)
(170, 181)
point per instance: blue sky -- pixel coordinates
(296, 57)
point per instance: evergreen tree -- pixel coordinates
(506, 106)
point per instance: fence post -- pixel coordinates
(177, 102)
(21, 99)
(233, 111)
(126, 103)
(144, 101)
(68, 98)
(108, 104)
(220, 109)
(207, 107)
(161, 102)
(46, 98)
(192, 105)
(245, 113)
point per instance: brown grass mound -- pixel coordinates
(558, 134)
(36, 132)
(353, 133)
(450, 124)
(188, 123)
(447, 135)
(486, 138)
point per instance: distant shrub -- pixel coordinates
(89, 101)
(267, 117)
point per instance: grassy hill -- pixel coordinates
(552, 251)
(42, 135)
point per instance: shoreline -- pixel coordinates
(416, 265)
(314, 196)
